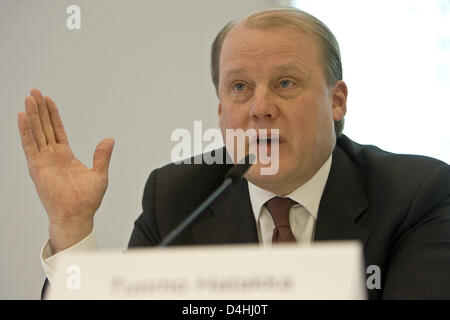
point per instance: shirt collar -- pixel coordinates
(308, 195)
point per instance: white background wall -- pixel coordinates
(396, 61)
(135, 71)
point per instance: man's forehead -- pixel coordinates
(231, 69)
(277, 48)
(242, 34)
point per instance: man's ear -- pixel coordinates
(339, 96)
(219, 110)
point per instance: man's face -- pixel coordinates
(273, 79)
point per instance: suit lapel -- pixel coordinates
(343, 202)
(230, 220)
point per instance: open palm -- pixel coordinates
(70, 192)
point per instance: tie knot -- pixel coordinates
(278, 208)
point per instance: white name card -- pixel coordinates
(333, 270)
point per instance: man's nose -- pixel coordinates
(263, 105)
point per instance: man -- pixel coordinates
(276, 69)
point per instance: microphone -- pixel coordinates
(232, 176)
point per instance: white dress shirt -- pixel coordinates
(302, 217)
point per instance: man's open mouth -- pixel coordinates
(268, 140)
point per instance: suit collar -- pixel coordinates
(343, 202)
(230, 219)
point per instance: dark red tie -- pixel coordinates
(279, 210)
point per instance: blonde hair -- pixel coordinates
(290, 18)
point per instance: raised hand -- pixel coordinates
(70, 192)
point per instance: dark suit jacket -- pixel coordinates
(398, 206)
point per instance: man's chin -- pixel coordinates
(257, 174)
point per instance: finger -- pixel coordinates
(26, 136)
(44, 116)
(102, 155)
(58, 127)
(31, 110)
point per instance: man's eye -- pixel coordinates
(239, 86)
(285, 83)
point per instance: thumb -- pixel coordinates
(102, 155)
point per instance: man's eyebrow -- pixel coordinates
(234, 71)
(293, 67)
(284, 67)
